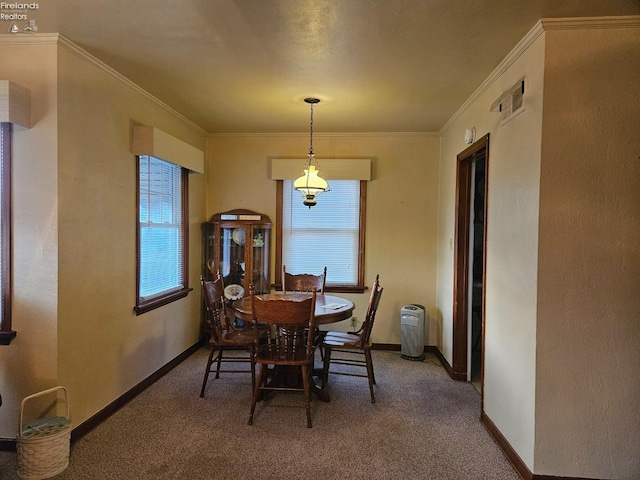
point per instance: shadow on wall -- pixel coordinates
(22, 376)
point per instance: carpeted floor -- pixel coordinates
(423, 426)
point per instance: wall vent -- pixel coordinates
(510, 103)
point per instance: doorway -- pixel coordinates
(469, 258)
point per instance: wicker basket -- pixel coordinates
(43, 444)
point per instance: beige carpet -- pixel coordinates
(423, 426)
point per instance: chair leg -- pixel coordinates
(219, 358)
(306, 378)
(253, 368)
(373, 375)
(325, 367)
(319, 339)
(372, 380)
(256, 392)
(207, 371)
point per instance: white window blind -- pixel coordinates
(327, 234)
(161, 241)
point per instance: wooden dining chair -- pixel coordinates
(224, 335)
(303, 282)
(350, 346)
(285, 344)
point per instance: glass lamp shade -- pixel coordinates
(310, 184)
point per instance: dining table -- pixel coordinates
(329, 309)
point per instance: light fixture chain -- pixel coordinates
(311, 129)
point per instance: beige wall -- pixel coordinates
(401, 207)
(74, 238)
(563, 257)
(30, 362)
(587, 382)
(511, 248)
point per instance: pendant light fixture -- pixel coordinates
(311, 184)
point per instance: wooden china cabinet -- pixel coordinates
(237, 243)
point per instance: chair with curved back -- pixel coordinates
(303, 282)
(285, 344)
(348, 345)
(223, 334)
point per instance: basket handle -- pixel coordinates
(39, 394)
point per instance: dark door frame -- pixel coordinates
(461, 257)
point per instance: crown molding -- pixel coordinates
(586, 23)
(538, 29)
(329, 134)
(63, 42)
(511, 57)
(79, 52)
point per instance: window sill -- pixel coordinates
(6, 337)
(159, 302)
(345, 289)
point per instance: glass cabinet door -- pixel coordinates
(260, 275)
(232, 254)
(208, 245)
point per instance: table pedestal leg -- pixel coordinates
(280, 376)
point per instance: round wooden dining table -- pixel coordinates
(329, 309)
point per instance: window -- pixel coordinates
(6, 334)
(331, 233)
(162, 233)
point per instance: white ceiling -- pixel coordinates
(247, 65)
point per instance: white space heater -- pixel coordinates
(412, 332)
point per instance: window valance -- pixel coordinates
(15, 104)
(156, 143)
